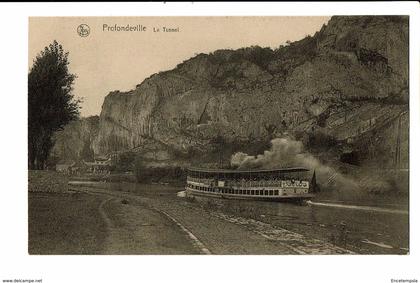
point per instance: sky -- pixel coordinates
(106, 60)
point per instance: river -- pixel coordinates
(365, 225)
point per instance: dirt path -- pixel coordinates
(134, 229)
(146, 225)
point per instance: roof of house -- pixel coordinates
(64, 165)
(248, 171)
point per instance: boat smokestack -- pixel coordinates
(314, 188)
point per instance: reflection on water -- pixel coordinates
(363, 231)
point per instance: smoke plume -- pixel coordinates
(286, 152)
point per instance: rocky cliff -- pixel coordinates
(75, 141)
(339, 90)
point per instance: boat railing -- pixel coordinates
(200, 180)
(260, 183)
(239, 183)
(250, 183)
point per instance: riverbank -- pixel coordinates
(91, 217)
(64, 223)
(44, 181)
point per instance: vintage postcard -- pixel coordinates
(205, 142)
(218, 135)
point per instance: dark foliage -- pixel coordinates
(350, 158)
(146, 174)
(51, 104)
(87, 153)
(125, 161)
(319, 140)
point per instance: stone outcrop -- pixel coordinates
(75, 141)
(354, 70)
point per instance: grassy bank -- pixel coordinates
(61, 221)
(47, 182)
(174, 176)
(64, 223)
(113, 178)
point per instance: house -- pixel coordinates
(98, 166)
(65, 168)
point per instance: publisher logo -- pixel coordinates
(83, 30)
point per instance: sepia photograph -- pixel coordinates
(208, 142)
(218, 135)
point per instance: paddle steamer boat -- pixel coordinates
(286, 184)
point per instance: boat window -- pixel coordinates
(266, 193)
(276, 192)
(271, 192)
(252, 192)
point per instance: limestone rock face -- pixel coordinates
(354, 70)
(76, 140)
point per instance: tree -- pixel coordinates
(86, 153)
(51, 104)
(218, 143)
(125, 161)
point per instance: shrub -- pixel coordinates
(321, 140)
(144, 174)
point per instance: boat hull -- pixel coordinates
(276, 198)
